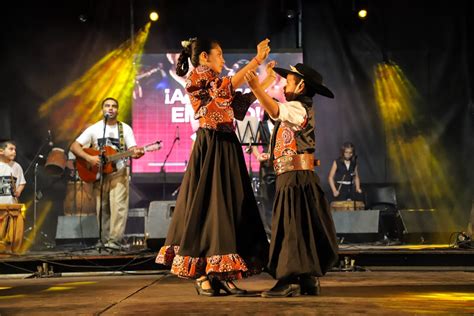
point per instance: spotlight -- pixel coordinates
(362, 14)
(290, 14)
(83, 18)
(154, 16)
(361, 8)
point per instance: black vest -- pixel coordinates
(342, 173)
(305, 139)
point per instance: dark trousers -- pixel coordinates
(267, 196)
(347, 192)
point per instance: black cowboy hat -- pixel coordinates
(310, 76)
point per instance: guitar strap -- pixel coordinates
(121, 138)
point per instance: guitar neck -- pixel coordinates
(118, 156)
(128, 153)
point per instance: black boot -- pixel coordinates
(230, 288)
(205, 292)
(283, 288)
(309, 285)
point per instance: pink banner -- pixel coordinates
(162, 111)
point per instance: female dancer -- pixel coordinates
(216, 234)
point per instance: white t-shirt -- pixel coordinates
(9, 171)
(93, 137)
(347, 163)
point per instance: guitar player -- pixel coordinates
(115, 194)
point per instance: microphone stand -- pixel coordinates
(353, 193)
(248, 150)
(352, 183)
(100, 245)
(34, 162)
(37, 155)
(163, 166)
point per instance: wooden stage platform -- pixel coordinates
(370, 279)
(343, 293)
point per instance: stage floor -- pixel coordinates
(360, 293)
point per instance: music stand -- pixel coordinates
(250, 132)
(247, 130)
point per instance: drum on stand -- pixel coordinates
(72, 173)
(80, 199)
(347, 205)
(12, 221)
(56, 162)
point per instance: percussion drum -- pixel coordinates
(347, 205)
(71, 171)
(56, 162)
(80, 199)
(70, 165)
(12, 225)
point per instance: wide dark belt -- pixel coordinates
(294, 163)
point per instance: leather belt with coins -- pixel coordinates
(294, 162)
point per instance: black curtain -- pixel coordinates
(431, 44)
(49, 44)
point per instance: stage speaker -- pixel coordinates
(158, 222)
(136, 222)
(427, 225)
(357, 226)
(77, 229)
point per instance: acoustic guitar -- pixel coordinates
(89, 173)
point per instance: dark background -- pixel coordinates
(46, 46)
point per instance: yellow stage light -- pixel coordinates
(78, 105)
(412, 159)
(362, 14)
(154, 16)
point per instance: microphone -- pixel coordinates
(175, 192)
(177, 133)
(50, 138)
(106, 116)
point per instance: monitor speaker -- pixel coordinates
(76, 229)
(158, 221)
(427, 225)
(357, 226)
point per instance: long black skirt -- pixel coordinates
(303, 233)
(216, 227)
